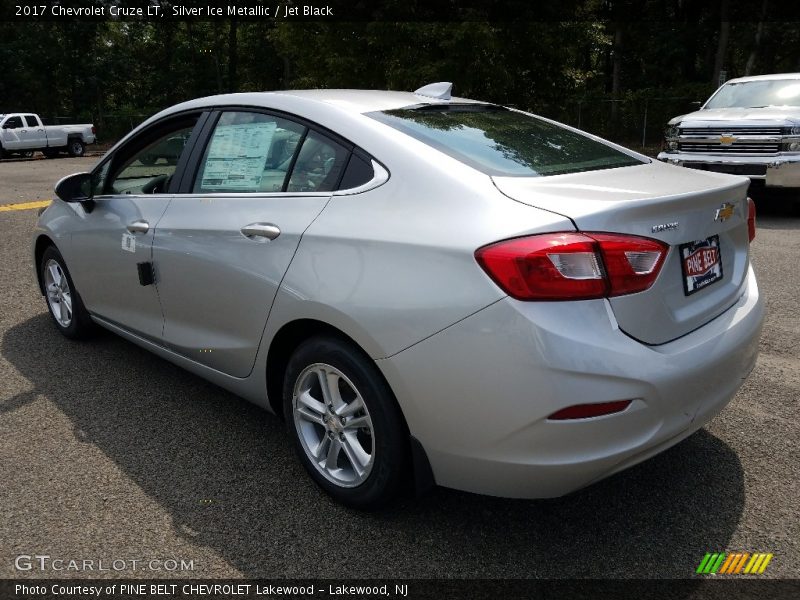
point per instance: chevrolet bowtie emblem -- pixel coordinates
(724, 212)
(726, 139)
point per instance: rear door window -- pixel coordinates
(319, 165)
(248, 152)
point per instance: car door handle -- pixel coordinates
(267, 230)
(139, 227)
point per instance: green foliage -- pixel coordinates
(115, 73)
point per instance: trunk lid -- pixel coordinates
(635, 200)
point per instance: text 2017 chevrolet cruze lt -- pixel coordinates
(430, 289)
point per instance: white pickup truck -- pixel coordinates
(750, 126)
(24, 134)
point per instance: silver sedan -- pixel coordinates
(429, 289)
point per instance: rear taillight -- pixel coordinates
(751, 219)
(573, 266)
(94, 131)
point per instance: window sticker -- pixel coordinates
(236, 157)
(129, 242)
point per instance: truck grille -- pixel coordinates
(747, 140)
(736, 148)
(731, 130)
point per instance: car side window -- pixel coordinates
(148, 167)
(13, 123)
(30, 121)
(319, 165)
(359, 171)
(248, 152)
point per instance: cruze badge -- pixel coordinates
(726, 139)
(724, 212)
(664, 227)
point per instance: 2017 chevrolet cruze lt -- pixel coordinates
(430, 289)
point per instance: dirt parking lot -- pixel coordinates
(107, 452)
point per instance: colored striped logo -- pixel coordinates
(733, 563)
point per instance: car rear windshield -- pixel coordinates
(503, 142)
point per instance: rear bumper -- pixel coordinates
(773, 170)
(477, 395)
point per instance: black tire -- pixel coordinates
(80, 325)
(388, 434)
(76, 148)
(27, 154)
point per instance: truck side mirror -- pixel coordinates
(75, 188)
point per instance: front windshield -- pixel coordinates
(757, 94)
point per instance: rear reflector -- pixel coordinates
(751, 219)
(587, 411)
(573, 266)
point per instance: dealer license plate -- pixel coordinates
(702, 264)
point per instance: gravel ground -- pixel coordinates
(107, 452)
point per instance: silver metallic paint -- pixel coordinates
(392, 267)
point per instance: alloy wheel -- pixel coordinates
(59, 295)
(333, 425)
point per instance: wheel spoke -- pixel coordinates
(312, 404)
(55, 274)
(356, 455)
(322, 448)
(333, 390)
(63, 313)
(329, 384)
(352, 408)
(358, 422)
(310, 416)
(322, 377)
(333, 454)
(66, 299)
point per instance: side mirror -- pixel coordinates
(75, 188)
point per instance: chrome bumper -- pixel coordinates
(778, 170)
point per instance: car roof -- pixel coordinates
(354, 101)
(770, 77)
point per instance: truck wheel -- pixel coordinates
(76, 148)
(27, 154)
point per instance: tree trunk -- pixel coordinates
(233, 56)
(722, 43)
(751, 60)
(616, 71)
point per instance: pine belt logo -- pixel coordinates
(733, 563)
